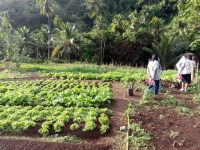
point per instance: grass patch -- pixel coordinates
(12, 74)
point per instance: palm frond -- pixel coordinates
(92, 13)
(146, 49)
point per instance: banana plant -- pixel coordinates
(9, 40)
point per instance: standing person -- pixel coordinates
(186, 73)
(179, 63)
(153, 70)
(178, 67)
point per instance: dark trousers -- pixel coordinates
(156, 86)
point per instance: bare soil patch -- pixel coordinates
(170, 128)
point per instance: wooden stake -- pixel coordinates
(197, 72)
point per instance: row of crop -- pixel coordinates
(81, 94)
(111, 76)
(18, 119)
(46, 85)
(53, 84)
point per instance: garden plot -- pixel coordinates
(172, 122)
(24, 104)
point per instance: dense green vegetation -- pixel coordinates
(121, 32)
(54, 102)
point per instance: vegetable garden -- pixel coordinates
(54, 102)
(85, 110)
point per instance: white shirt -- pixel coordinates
(152, 66)
(187, 67)
(180, 62)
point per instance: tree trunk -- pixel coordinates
(48, 42)
(37, 53)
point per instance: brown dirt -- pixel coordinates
(160, 129)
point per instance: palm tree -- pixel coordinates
(40, 40)
(57, 21)
(167, 49)
(65, 41)
(119, 24)
(46, 8)
(96, 8)
(5, 19)
(25, 36)
(187, 35)
(156, 25)
(137, 21)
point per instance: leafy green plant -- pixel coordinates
(130, 110)
(184, 111)
(5, 125)
(148, 95)
(139, 138)
(170, 101)
(195, 90)
(196, 98)
(103, 119)
(77, 119)
(58, 125)
(74, 126)
(45, 128)
(104, 128)
(89, 125)
(174, 134)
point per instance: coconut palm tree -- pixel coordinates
(40, 40)
(25, 36)
(46, 8)
(156, 25)
(96, 8)
(137, 21)
(65, 40)
(119, 24)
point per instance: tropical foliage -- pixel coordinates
(123, 32)
(64, 41)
